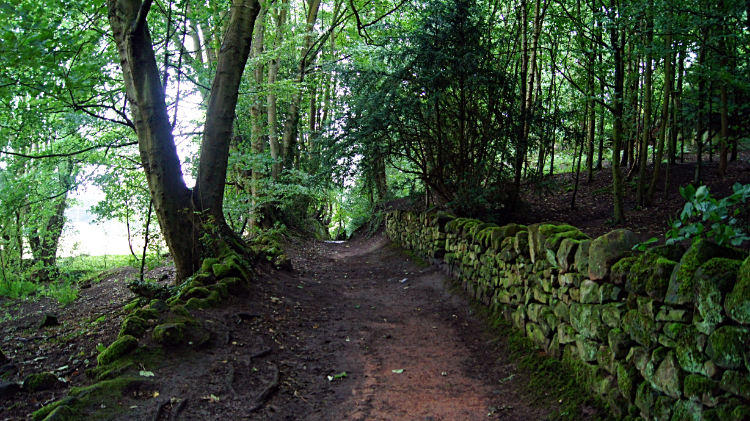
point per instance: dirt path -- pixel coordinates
(411, 350)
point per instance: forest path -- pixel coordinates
(412, 350)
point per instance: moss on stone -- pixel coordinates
(43, 412)
(146, 313)
(207, 264)
(133, 326)
(726, 346)
(180, 310)
(696, 386)
(681, 285)
(737, 303)
(120, 347)
(212, 300)
(170, 334)
(628, 379)
(158, 305)
(641, 328)
(197, 292)
(40, 381)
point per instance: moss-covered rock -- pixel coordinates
(194, 292)
(45, 411)
(645, 398)
(581, 260)
(640, 327)
(607, 250)
(566, 253)
(120, 347)
(40, 381)
(619, 342)
(673, 252)
(586, 319)
(158, 305)
(681, 288)
(646, 274)
(727, 345)
(587, 349)
(211, 301)
(146, 313)
(231, 266)
(687, 410)
(713, 280)
(628, 379)
(170, 334)
(736, 383)
(733, 410)
(668, 377)
(521, 244)
(737, 303)
(612, 314)
(590, 293)
(702, 389)
(133, 326)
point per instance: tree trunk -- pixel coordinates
(617, 40)
(183, 215)
(664, 116)
(289, 138)
(273, 70)
(258, 144)
(640, 195)
(699, 114)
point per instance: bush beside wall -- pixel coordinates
(660, 335)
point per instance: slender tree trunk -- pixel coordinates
(256, 123)
(640, 195)
(724, 107)
(664, 116)
(289, 138)
(617, 40)
(699, 114)
(273, 71)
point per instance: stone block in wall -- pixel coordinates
(669, 314)
(519, 318)
(602, 383)
(612, 314)
(590, 293)
(607, 250)
(540, 295)
(586, 319)
(619, 342)
(687, 410)
(645, 399)
(640, 327)
(645, 274)
(553, 350)
(561, 311)
(737, 303)
(571, 278)
(575, 294)
(628, 379)
(648, 306)
(702, 389)
(668, 378)
(713, 281)
(566, 334)
(736, 383)
(618, 405)
(566, 254)
(533, 310)
(581, 259)
(681, 284)
(727, 346)
(521, 243)
(609, 293)
(534, 332)
(605, 357)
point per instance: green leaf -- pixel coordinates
(399, 371)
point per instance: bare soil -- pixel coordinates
(410, 348)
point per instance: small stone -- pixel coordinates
(9, 389)
(702, 389)
(49, 320)
(581, 260)
(120, 347)
(612, 314)
(619, 342)
(587, 349)
(641, 328)
(40, 381)
(565, 333)
(587, 320)
(628, 379)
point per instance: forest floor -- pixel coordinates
(594, 206)
(408, 342)
(411, 349)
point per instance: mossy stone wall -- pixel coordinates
(661, 335)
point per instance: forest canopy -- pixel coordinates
(312, 113)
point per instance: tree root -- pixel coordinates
(266, 393)
(230, 380)
(261, 353)
(159, 410)
(180, 407)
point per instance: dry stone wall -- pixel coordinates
(660, 335)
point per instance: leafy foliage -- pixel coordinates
(706, 217)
